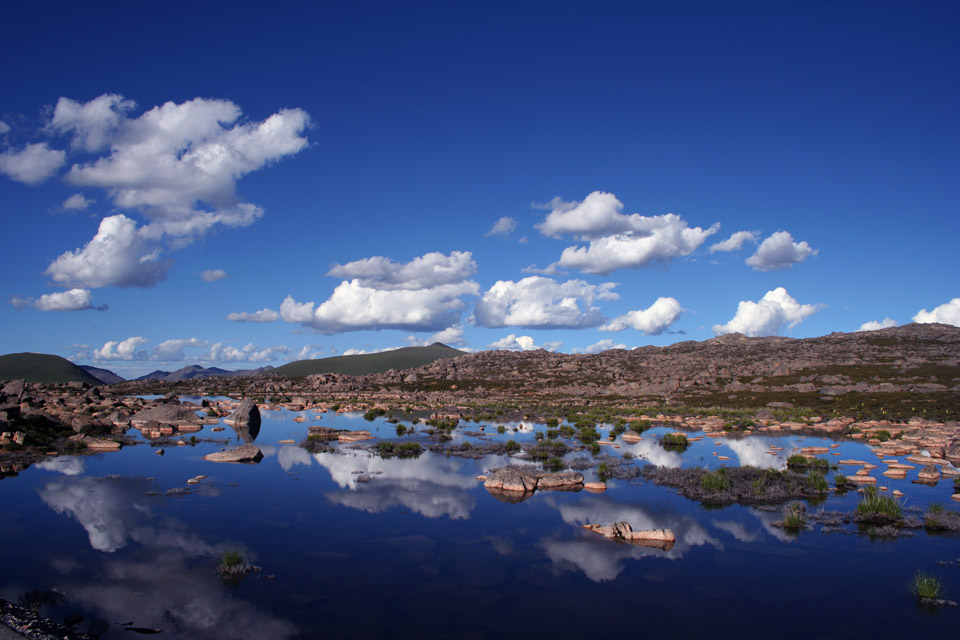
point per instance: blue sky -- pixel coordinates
(575, 176)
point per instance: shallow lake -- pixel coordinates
(351, 545)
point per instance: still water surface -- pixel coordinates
(355, 546)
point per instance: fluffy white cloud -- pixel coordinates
(426, 271)
(536, 301)
(873, 325)
(249, 353)
(777, 309)
(735, 241)
(33, 164)
(77, 202)
(172, 350)
(176, 164)
(947, 313)
(779, 251)
(354, 307)
(118, 255)
(122, 350)
(502, 227)
(652, 321)
(618, 241)
(522, 343)
(598, 347)
(264, 315)
(72, 300)
(92, 124)
(598, 215)
(4, 127)
(212, 275)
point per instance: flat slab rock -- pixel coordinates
(526, 479)
(244, 453)
(663, 538)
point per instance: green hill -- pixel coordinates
(405, 358)
(42, 367)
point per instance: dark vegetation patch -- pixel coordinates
(388, 449)
(745, 485)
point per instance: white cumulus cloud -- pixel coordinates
(947, 313)
(77, 202)
(779, 251)
(177, 165)
(536, 301)
(429, 270)
(776, 310)
(735, 241)
(502, 227)
(72, 300)
(873, 325)
(212, 275)
(264, 315)
(521, 343)
(118, 255)
(122, 350)
(618, 241)
(603, 345)
(652, 321)
(354, 307)
(33, 164)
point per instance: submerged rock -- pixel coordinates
(244, 453)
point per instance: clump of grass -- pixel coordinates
(675, 442)
(817, 481)
(716, 481)
(553, 464)
(231, 558)
(512, 445)
(794, 516)
(501, 429)
(877, 507)
(594, 448)
(926, 586)
(401, 429)
(797, 460)
(399, 450)
(956, 484)
(841, 482)
(603, 472)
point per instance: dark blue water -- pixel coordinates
(355, 546)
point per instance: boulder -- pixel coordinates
(167, 413)
(245, 420)
(928, 475)
(249, 453)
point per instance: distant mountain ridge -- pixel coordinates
(42, 367)
(367, 363)
(197, 371)
(103, 375)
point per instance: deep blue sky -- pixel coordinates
(428, 122)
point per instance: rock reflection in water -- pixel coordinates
(600, 559)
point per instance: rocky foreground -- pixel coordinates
(896, 388)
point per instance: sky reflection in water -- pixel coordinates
(338, 529)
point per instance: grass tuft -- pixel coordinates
(875, 506)
(926, 586)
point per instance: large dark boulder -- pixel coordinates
(245, 420)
